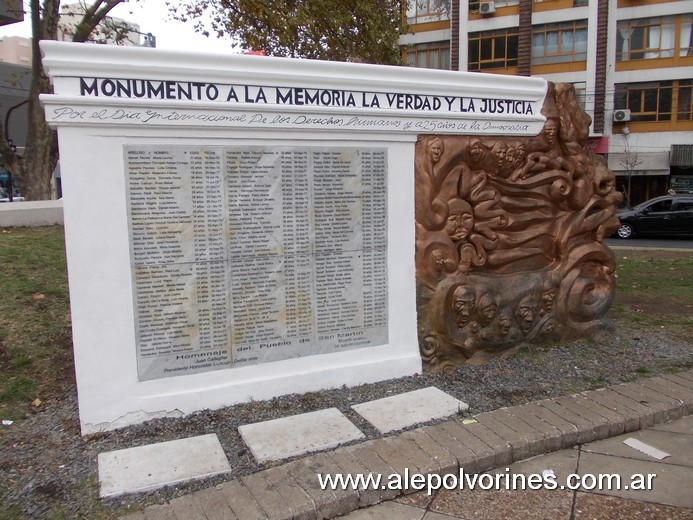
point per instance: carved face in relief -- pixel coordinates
(550, 131)
(500, 151)
(463, 303)
(476, 151)
(549, 326)
(548, 295)
(487, 309)
(504, 324)
(438, 260)
(516, 155)
(460, 221)
(526, 311)
(435, 150)
(458, 226)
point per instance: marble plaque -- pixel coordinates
(250, 254)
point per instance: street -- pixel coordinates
(648, 242)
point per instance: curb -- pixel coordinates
(498, 438)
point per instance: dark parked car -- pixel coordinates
(666, 215)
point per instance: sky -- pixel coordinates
(152, 17)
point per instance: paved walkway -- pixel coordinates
(497, 439)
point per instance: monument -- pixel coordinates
(242, 227)
(509, 238)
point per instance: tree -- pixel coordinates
(338, 30)
(35, 170)
(630, 160)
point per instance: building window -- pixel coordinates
(493, 49)
(576, 3)
(581, 93)
(426, 11)
(474, 5)
(685, 108)
(559, 42)
(646, 101)
(686, 37)
(646, 38)
(429, 7)
(429, 55)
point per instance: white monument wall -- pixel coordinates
(131, 366)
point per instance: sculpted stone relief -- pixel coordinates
(509, 238)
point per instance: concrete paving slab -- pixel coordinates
(350, 464)
(616, 421)
(346, 500)
(583, 427)
(478, 504)
(159, 512)
(325, 500)
(213, 504)
(138, 515)
(391, 453)
(365, 454)
(589, 506)
(186, 507)
(298, 434)
(420, 457)
(502, 451)
(445, 461)
(271, 502)
(242, 503)
(519, 446)
(671, 486)
(672, 407)
(562, 463)
(535, 438)
(568, 431)
(686, 374)
(295, 499)
(404, 410)
(550, 434)
(481, 446)
(645, 413)
(679, 446)
(387, 511)
(683, 425)
(464, 456)
(134, 470)
(420, 499)
(631, 418)
(598, 423)
(680, 393)
(676, 378)
(632, 392)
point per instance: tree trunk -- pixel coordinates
(41, 150)
(38, 164)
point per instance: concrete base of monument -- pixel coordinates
(181, 396)
(135, 470)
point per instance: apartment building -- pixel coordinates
(631, 62)
(111, 30)
(15, 49)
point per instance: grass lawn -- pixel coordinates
(35, 334)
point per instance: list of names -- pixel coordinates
(246, 255)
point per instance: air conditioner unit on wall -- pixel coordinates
(487, 7)
(621, 115)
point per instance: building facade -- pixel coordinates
(15, 49)
(631, 62)
(111, 30)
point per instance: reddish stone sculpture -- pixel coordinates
(509, 237)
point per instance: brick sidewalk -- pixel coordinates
(498, 438)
